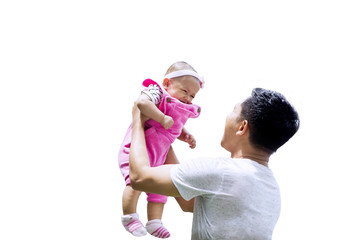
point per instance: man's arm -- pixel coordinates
(142, 176)
(186, 206)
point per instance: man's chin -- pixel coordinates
(222, 143)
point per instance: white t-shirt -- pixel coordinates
(234, 198)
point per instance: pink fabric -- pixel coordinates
(158, 140)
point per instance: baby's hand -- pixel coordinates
(167, 122)
(190, 140)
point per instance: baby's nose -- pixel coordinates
(187, 99)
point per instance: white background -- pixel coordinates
(70, 71)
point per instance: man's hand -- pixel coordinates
(137, 116)
(167, 122)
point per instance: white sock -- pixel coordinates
(156, 228)
(133, 225)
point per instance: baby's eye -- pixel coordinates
(184, 91)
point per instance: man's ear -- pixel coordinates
(166, 83)
(243, 127)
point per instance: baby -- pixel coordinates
(168, 107)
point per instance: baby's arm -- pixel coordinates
(187, 137)
(150, 110)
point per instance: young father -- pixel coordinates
(233, 197)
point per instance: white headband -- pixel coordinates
(181, 73)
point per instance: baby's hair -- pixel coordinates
(181, 65)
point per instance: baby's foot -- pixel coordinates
(133, 225)
(155, 228)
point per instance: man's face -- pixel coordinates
(231, 128)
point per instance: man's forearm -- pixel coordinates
(142, 176)
(138, 153)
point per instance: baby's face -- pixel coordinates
(183, 88)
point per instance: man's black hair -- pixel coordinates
(272, 119)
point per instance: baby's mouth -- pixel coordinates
(184, 102)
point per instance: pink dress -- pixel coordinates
(158, 140)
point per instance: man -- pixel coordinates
(236, 197)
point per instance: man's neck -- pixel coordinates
(258, 156)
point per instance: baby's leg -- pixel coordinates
(130, 219)
(129, 200)
(155, 210)
(154, 226)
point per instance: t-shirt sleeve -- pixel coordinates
(197, 177)
(154, 92)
